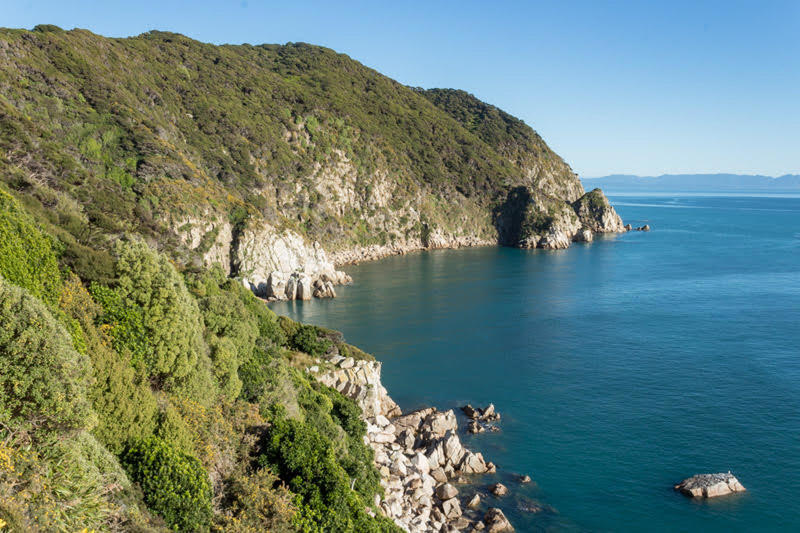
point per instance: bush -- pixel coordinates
(170, 316)
(305, 461)
(43, 380)
(258, 502)
(306, 339)
(26, 254)
(174, 484)
(120, 395)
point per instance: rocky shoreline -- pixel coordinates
(419, 454)
(374, 252)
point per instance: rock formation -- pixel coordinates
(710, 485)
(281, 265)
(530, 218)
(418, 454)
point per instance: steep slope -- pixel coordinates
(250, 156)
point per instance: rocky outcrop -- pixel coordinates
(281, 265)
(596, 213)
(207, 238)
(710, 485)
(360, 381)
(418, 454)
(496, 521)
(530, 218)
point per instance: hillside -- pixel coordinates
(149, 186)
(697, 183)
(212, 151)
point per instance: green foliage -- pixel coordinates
(43, 380)
(120, 394)
(174, 484)
(68, 482)
(302, 337)
(128, 132)
(258, 502)
(305, 460)
(169, 315)
(26, 254)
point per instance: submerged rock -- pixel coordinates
(710, 485)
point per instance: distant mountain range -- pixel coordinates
(695, 183)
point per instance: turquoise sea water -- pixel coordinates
(620, 367)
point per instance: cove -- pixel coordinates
(620, 366)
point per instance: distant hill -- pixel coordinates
(695, 183)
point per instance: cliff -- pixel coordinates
(275, 162)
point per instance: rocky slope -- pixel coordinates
(419, 454)
(275, 162)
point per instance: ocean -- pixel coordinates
(619, 367)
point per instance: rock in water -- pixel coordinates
(710, 485)
(498, 489)
(496, 521)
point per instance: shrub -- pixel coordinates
(174, 484)
(306, 339)
(170, 316)
(258, 502)
(26, 254)
(43, 379)
(120, 395)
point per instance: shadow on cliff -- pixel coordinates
(509, 215)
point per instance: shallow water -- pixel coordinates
(620, 366)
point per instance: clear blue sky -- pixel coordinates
(613, 87)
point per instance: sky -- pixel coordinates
(613, 87)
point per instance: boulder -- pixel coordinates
(524, 478)
(496, 521)
(473, 463)
(420, 463)
(446, 491)
(583, 235)
(498, 489)
(475, 427)
(628, 227)
(440, 423)
(470, 411)
(439, 475)
(291, 287)
(451, 509)
(475, 502)
(710, 485)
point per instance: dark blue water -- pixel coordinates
(620, 366)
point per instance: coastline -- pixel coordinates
(426, 472)
(374, 252)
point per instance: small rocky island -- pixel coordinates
(710, 485)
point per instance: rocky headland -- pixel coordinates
(419, 455)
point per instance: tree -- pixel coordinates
(43, 379)
(170, 316)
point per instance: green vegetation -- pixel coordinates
(26, 255)
(193, 386)
(141, 392)
(43, 380)
(104, 136)
(175, 485)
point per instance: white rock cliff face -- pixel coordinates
(281, 265)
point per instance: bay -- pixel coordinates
(620, 366)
